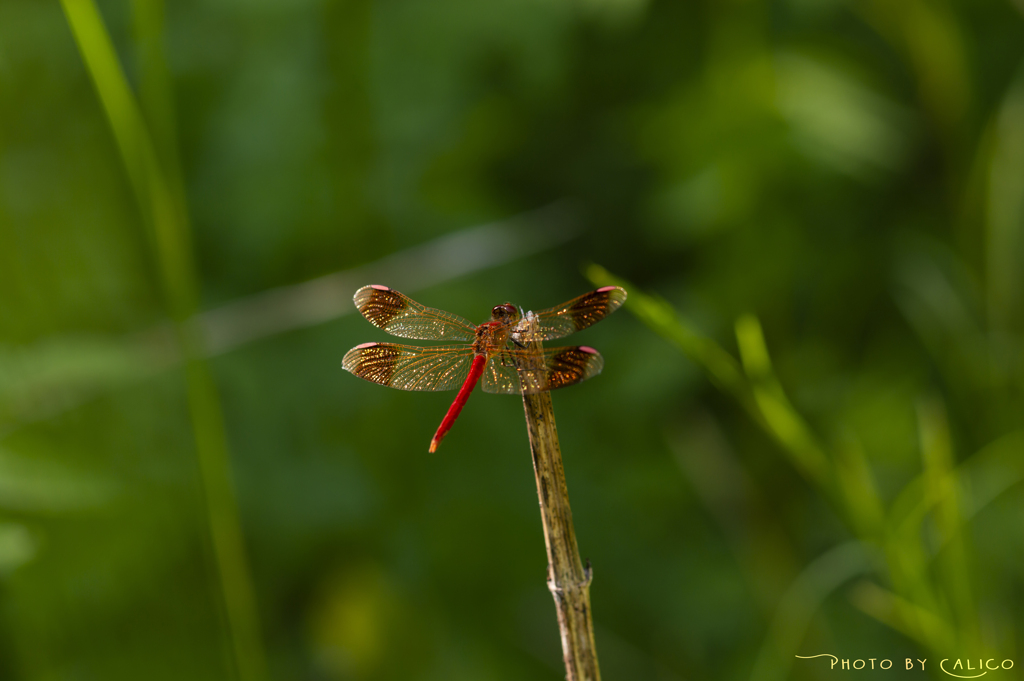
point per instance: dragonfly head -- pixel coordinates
(505, 313)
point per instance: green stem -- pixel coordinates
(163, 209)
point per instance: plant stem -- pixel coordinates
(568, 581)
(157, 188)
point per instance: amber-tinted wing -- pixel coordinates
(402, 316)
(579, 313)
(556, 368)
(410, 368)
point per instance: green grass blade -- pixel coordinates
(798, 605)
(722, 368)
(943, 488)
(784, 423)
(164, 210)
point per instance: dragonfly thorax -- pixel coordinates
(492, 336)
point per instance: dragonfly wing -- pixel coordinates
(579, 313)
(407, 367)
(501, 375)
(402, 316)
(556, 368)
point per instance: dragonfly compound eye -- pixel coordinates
(503, 311)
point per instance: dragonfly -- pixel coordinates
(500, 353)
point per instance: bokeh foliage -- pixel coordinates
(808, 435)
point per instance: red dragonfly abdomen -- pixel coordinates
(475, 372)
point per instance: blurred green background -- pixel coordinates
(808, 437)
